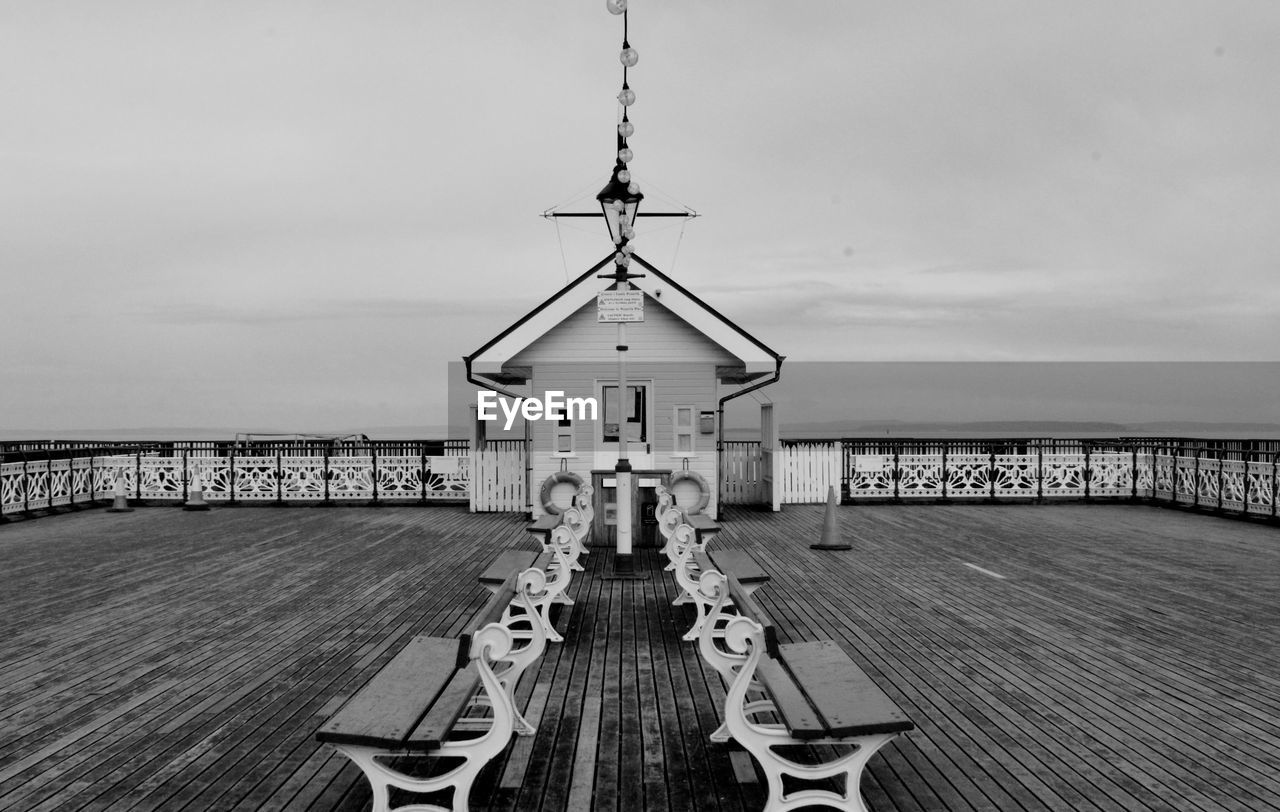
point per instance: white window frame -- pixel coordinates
(649, 409)
(558, 431)
(691, 431)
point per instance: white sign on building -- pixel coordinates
(620, 305)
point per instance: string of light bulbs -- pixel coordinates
(628, 56)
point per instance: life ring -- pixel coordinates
(693, 477)
(549, 488)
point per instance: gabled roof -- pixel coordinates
(757, 359)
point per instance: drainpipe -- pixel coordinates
(777, 374)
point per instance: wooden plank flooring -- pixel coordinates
(1098, 657)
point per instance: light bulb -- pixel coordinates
(633, 188)
(616, 205)
(624, 176)
(628, 233)
(626, 129)
(626, 248)
(615, 6)
(624, 262)
(629, 57)
(625, 155)
(627, 97)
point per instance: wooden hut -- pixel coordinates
(682, 362)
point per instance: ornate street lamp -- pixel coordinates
(618, 201)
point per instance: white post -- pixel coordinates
(622, 472)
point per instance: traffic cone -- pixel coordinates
(121, 502)
(196, 501)
(831, 527)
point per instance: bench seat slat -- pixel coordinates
(545, 523)
(848, 701)
(448, 708)
(505, 563)
(801, 720)
(742, 564)
(386, 710)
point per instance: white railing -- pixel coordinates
(1171, 471)
(38, 484)
(1230, 481)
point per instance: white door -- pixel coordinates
(634, 420)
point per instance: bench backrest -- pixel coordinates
(748, 607)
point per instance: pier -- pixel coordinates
(1074, 656)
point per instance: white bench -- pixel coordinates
(814, 693)
(444, 698)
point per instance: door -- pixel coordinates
(632, 419)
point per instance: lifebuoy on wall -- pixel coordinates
(689, 491)
(549, 490)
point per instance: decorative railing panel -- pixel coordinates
(1231, 484)
(302, 479)
(215, 477)
(1260, 488)
(1208, 481)
(161, 478)
(1110, 473)
(59, 483)
(257, 478)
(1015, 476)
(1185, 479)
(1063, 475)
(968, 475)
(919, 476)
(1164, 477)
(871, 475)
(1144, 475)
(13, 487)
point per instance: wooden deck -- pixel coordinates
(1097, 657)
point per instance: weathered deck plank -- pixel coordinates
(1128, 657)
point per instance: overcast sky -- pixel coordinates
(293, 214)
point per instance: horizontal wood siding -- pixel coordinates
(660, 337)
(674, 383)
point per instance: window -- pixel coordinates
(683, 428)
(563, 437)
(637, 422)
